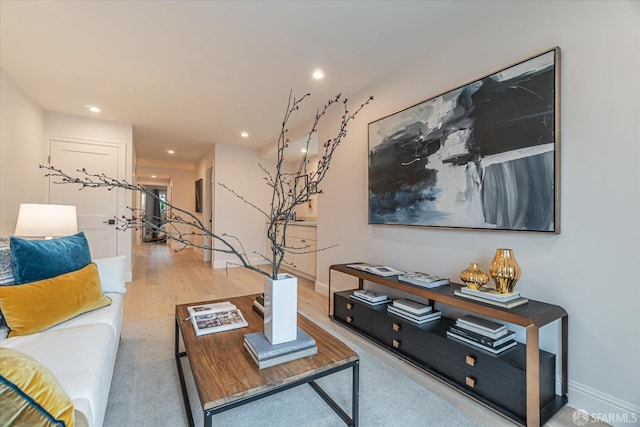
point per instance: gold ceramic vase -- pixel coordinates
(473, 277)
(505, 270)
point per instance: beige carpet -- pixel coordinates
(146, 392)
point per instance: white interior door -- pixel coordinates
(97, 207)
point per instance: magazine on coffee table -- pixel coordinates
(209, 308)
(218, 317)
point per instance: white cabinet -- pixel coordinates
(301, 239)
(288, 256)
(305, 262)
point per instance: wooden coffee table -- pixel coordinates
(226, 377)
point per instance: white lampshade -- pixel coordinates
(46, 220)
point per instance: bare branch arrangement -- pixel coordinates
(288, 190)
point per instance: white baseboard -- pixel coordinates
(297, 273)
(128, 277)
(322, 288)
(603, 407)
(233, 264)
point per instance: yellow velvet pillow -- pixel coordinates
(36, 306)
(30, 395)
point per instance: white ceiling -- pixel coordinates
(187, 74)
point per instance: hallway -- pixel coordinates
(163, 278)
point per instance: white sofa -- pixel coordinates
(81, 352)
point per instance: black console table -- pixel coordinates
(524, 370)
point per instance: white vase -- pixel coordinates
(281, 308)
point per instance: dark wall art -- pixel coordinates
(199, 195)
(482, 156)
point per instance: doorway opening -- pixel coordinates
(155, 210)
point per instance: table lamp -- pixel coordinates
(46, 221)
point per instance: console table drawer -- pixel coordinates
(352, 312)
(507, 368)
(412, 340)
(483, 385)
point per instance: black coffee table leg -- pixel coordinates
(355, 396)
(183, 385)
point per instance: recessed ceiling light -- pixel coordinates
(93, 108)
(318, 74)
(303, 150)
(171, 152)
(244, 134)
(153, 176)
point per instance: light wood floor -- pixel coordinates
(163, 278)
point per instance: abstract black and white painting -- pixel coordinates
(482, 156)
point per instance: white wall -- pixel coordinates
(24, 146)
(237, 167)
(308, 210)
(589, 268)
(181, 194)
(70, 126)
(203, 165)
(21, 151)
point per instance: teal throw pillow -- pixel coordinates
(35, 260)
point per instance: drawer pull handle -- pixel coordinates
(471, 382)
(349, 319)
(396, 344)
(396, 327)
(470, 360)
(349, 306)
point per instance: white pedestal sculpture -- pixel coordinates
(281, 308)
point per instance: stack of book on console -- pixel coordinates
(485, 334)
(423, 280)
(215, 317)
(493, 297)
(258, 305)
(265, 354)
(370, 297)
(379, 270)
(413, 311)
